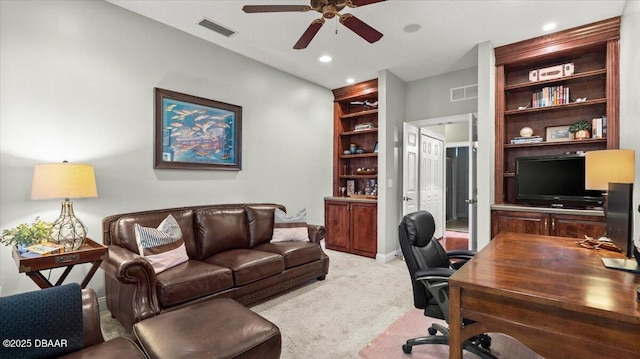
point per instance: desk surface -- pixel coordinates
(546, 291)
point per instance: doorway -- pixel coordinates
(459, 167)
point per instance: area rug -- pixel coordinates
(388, 345)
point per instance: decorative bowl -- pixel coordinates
(365, 171)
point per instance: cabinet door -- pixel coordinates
(577, 226)
(337, 218)
(519, 222)
(364, 229)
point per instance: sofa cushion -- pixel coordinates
(220, 229)
(249, 265)
(126, 236)
(163, 247)
(260, 224)
(294, 253)
(290, 227)
(191, 280)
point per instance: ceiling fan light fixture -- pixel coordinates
(325, 58)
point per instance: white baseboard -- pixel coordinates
(386, 257)
(102, 303)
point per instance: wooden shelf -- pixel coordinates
(359, 132)
(368, 154)
(558, 143)
(594, 50)
(572, 105)
(562, 80)
(359, 114)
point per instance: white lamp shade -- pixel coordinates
(608, 166)
(63, 180)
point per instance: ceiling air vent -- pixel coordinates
(216, 27)
(463, 93)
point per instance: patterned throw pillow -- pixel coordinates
(163, 247)
(290, 228)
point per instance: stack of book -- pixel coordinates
(530, 139)
(599, 127)
(550, 96)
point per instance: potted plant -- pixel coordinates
(581, 130)
(26, 234)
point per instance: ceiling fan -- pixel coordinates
(329, 9)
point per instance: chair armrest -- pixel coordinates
(444, 273)
(460, 254)
(316, 233)
(92, 334)
(130, 268)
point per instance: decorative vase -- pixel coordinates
(582, 134)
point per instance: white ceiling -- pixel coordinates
(450, 31)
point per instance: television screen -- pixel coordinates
(557, 181)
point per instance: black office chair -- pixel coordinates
(430, 267)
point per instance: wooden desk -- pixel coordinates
(552, 295)
(89, 252)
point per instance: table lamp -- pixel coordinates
(65, 180)
(613, 171)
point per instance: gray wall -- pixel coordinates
(629, 95)
(391, 93)
(429, 97)
(77, 84)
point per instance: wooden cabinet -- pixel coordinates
(352, 227)
(553, 224)
(351, 219)
(593, 51)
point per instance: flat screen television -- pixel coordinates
(555, 181)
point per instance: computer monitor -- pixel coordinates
(620, 224)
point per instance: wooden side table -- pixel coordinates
(89, 252)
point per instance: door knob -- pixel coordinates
(407, 199)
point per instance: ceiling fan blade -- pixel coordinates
(275, 8)
(360, 28)
(309, 34)
(356, 3)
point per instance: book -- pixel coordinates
(46, 248)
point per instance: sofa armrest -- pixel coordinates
(130, 268)
(316, 233)
(92, 334)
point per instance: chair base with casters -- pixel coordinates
(430, 267)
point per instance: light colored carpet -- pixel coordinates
(339, 316)
(388, 345)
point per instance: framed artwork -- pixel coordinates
(351, 187)
(196, 133)
(558, 133)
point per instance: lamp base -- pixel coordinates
(67, 229)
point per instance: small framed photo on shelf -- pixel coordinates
(558, 134)
(375, 148)
(351, 187)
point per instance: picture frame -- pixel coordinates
(558, 134)
(375, 148)
(196, 133)
(351, 188)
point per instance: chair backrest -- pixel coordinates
(420, 250)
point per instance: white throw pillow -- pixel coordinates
(290, 228)
(163, 247)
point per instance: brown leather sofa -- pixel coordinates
(229, 257)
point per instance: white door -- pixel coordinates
(411, 142)
(432, 178)
(473, 187)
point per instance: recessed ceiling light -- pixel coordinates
(325, 58)
(351, 80)
(411, 28)
(550, 26)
